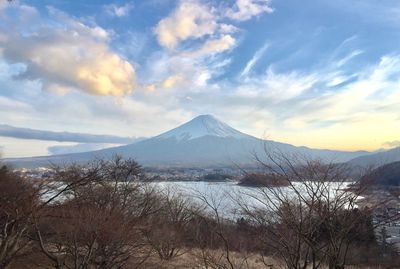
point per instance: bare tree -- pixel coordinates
(168, 232)
(22, 200)
(18, 200)
(313, 220)
(217, 235)
(99, 224)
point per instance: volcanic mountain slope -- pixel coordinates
(387, 175)
(202, 142)
(377, 159)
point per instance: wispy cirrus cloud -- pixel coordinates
(330, 79)
(259, 53)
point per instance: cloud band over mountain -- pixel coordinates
(26, 133)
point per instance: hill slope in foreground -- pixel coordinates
(387, 175)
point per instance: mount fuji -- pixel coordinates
(203, 125)
(202, 142)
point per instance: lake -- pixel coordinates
(227, 196)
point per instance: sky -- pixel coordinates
(322, 74)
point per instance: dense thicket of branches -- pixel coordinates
(103, 216)
(18, 200)
(99, 224)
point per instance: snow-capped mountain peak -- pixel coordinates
(202, 142)
(203, 125)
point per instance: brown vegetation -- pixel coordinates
(102, 216)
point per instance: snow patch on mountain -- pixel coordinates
(203, 125)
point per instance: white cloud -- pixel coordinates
(26, 12)
(195, 61)
(227, 28)
(193, 20)
(246, 9)
(362, 95)
(119, 11)
(259, 53)
(300, 102)
(172, 81)
(77, 112)
(349, 57)
(76, 148)
(195, 35)
(392, 144)
(213, 46)
(74, 56)
(8, 106)
(367, 105)
(186, 71)
(274, 88)
(190, 20)
(197, 39)
(14, 148)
